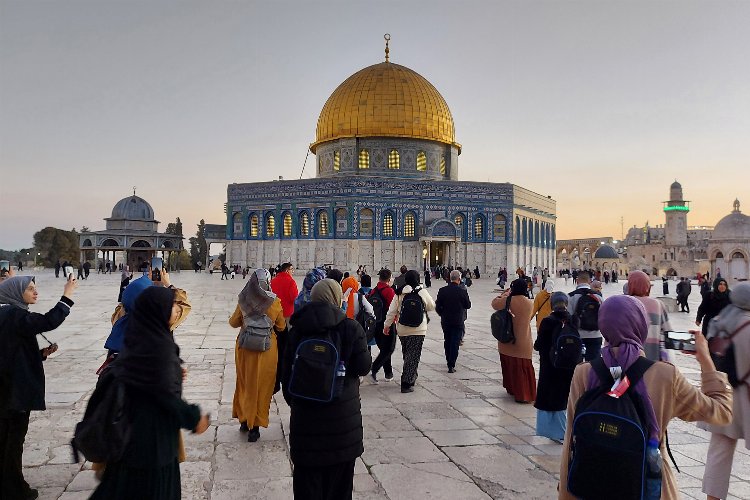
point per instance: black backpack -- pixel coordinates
(566, 350)
(318, 369)
(501, 324)
(586, 315)
(378, 304)
(105, 430)
(609, 439)
(412, 309)
(367, 320)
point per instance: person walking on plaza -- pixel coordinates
(350, 286)
(451, 305)
(665, 285)
(57, 268)
(639, 286)
(712, 304)
(285, 288)
(150, 368)
(554, 383)
(411, 337)
(22, 373)
(382, 295)
(427, 278)
(224, 271)
(400, 280)
(734, 319)
(586, 323)
(256, 370)
(518, 375)
(542, 303)
(664, 391)
(313, 276)
(325, 439)
(683, 290)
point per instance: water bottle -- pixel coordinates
(341, 372)
(583, 351)
(653, 471)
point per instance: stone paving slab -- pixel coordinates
(457, 436)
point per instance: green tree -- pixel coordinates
(175, 227)
(198, 245)
(57, 244)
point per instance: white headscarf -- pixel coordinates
(549, 286)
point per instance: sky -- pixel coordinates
(599, 104)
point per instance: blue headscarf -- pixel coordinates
(129, 295)
(312, 277)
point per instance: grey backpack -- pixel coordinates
(256, 333)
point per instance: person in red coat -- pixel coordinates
(285, 288)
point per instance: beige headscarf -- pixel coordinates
(327, 290)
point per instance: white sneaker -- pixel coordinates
(388, 379)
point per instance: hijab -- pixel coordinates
(150, 360)
(624, 322)
(518, 287)
(717, 293)
(257, 297)
(639, 284)
(352, 284)
(129, 296)
(312, 277)
(549, 286)
(559, 301)
(328, 291)
(731, 316)
(11, 291)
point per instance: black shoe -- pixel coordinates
(253, 435)
(32, 494)
(244, 427)
(407, 389)
(451, 369)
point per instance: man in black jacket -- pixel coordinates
(451, 304)
(22, 373)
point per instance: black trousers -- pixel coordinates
(386, 345)
(331, 482)
(452, 335)
(13, 428)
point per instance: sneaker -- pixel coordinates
(374, 378)
(253, 435)
(407, 389)
(388, 378)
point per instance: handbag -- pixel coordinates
(256, 333)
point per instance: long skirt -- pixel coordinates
(331, 482)
(551, 424)
(411, 346)
(121, 482)
(518, 378)
(256, 376)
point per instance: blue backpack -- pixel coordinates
(317, 369)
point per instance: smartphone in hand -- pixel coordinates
(157, 264)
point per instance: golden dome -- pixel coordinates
(386, 100)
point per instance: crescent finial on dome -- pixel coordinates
(736, 205)
(387, 38)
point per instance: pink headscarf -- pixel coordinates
(639, 284)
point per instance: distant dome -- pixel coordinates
(734, 226)
(132, 208)
(675, 185)
(606, 252)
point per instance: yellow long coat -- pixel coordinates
(256, 372)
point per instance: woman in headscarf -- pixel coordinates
(734, 319)
(554, 383)
(519, 379)
(125, 278)
(325, 439)
(665, 392)
(639, 286)
(150, 368)
(312, 277)
(542, 303)
(256, 371)
(22, 373)
(411, 337)
(712, 304)
(350, 285)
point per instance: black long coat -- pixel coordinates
(554, 383)
(323, 434)
(21, 370)
(710, 307)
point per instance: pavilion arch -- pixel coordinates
(87, 243)
(109, 242)
(141, 244)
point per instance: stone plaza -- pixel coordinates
(457, 436)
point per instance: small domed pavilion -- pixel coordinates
(728, 248)
(133, 231)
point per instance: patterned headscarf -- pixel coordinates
(257, 297)
(11, 291)
(312, 277)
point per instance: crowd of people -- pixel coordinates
(314, 345)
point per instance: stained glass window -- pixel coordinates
(364, 159)
(421, 162)
(393, 159)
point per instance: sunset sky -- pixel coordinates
(599, 104)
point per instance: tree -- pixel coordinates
(57, 244)
(198, 245)
(175, 227)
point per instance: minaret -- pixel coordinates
(676, 210)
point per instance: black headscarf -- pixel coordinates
(150, 358)
(716, 291)
(519, 287)
(412, 278)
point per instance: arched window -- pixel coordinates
(498, 228)
(366, 219)
(388, 225)
(287, 228)
(336, 161)
(410, 224)
(738, 255)
(322, 224)
(304, 224)
(719, 255)
(270, 226)
(237, 225)
(393, 159)
(341, 223)
(442, 165)
(518, 231)
(421, 162)
(364, 159)
(254, 226)
(460, 223)
(479, 228)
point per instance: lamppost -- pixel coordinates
(38, 254)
